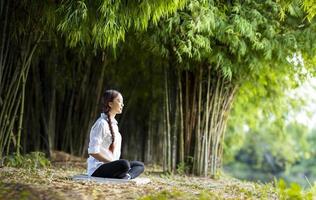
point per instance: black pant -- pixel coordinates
(119, 169)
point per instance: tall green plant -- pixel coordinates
(220, 47)
(17, 50)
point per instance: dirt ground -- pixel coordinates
(56, 183)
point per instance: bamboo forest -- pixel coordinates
(219, 98)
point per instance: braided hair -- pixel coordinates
(109, 96)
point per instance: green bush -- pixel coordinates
(182, 168)
(32, 160)
(294, 192)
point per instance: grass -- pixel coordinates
(54, 181)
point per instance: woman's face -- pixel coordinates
(116, 105)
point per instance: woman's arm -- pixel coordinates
(99, 157)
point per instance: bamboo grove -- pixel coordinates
(179, 65)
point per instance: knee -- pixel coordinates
(137, 163)
(125, 164)
(141, 166)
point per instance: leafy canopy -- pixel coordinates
(241, 39)
(104, 23)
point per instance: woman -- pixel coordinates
(105, 143)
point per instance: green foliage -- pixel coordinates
(272, 104)
(242, 40)
(32, 160)
(294, 191)
(303, 172)
(266, 155)
(264, 121)
(268, 141)
(182, 168)
(312, 141)
(246, 41)
(308, 5)
(270, 149)
(104, 23)
(269, 129)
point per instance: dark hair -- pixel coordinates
(109, 96)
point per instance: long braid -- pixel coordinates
(112, 133)
(108, 96)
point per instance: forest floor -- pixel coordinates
(55, 182)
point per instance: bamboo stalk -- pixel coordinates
(207, 114)
(192, 116)
(168, 124)
(20, 74)
(148, 147)
(21, 114)
(8, 121)
(181, 140)
(227, 107)
(175, 134)
(218, 128)
(9, 98)
(211, 120)
(201, 137)
(83, 95)
(9, 130)
(214, 117)
(38, 109)
(24, 78)
(187, 115)
(218, 131)
(3, 44)
(95, 108)
(165, 134)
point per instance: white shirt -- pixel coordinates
(100, 141)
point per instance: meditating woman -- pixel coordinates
(105, 143)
